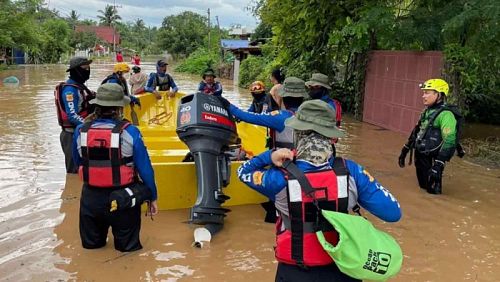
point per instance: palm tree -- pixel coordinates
(73, 18)
(109, 15)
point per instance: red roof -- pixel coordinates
(104, 33)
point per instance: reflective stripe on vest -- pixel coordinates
(296, 241)
(62, 116)
(103, 165)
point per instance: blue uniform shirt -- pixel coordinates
(71, 100)
(371, 195)
(274, 120)
(132, 144)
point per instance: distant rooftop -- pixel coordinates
(234, 43)
(241, 31)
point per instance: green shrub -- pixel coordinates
(197, 62)
(251, 69)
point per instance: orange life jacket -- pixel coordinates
(103, 165)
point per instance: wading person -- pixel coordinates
(319, 88)
(161, 81)
(72, 104)
(137, 81)
(277, 79)
(339, 185)
(208, 85)
(111, 156)
(435, 136)
(118, 77)
(292, 94)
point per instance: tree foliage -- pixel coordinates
(334, 37)
(109, 16)
(184, 33)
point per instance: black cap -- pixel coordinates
(78, 61)
(161, 63)
(136, 69)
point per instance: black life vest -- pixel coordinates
(430, 141)
(103, 165)
(163, 84)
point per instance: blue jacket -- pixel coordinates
(363, 188)
(71, 99)
(114, 79)
(132, 145)
(274, 120)
(151, 85)
(214, 89)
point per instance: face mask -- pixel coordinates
(316, 93)
(257, 96)
(79, 75)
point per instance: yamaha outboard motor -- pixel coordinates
(208, 130)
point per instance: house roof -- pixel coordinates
(104, 33)
(234, 43)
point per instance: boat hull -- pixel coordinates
(176, 181)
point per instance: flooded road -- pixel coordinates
(452, 237)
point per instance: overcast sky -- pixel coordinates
(153, 11)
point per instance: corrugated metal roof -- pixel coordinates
(234, 43)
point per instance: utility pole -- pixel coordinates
(220, 38)
(208, 29)
(113, 26)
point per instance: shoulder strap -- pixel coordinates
(292, 168)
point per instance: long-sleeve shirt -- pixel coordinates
(212, 89)
(131, 145)
(72, 101)
(363, 188)
(274, 120)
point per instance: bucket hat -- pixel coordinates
(209, 72)
(78, 61)
(293, 87)
(110, 95)
(315, 115)
(319, 79)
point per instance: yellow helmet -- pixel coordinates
(121, 67)
(436, 84)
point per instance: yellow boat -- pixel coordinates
(176, 180)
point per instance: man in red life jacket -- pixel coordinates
(339, 185)
(112, 157)
(72, 104)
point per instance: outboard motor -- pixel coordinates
(208, 130)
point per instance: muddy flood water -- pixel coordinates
(450, 237)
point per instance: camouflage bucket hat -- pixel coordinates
(110, 95)
(78, 61)
(293, 87)
(318, 79)
(315, 115)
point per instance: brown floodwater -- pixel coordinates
(451, 237)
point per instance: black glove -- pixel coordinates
(402, 156)
(435, 175)
(225, 102)
(135, 101)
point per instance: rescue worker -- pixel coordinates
(208, 85)
(161, 81)
(72, 104)
(435, 137)
(119, 70)
(292, 93)
(137, 81)
(342, 185)
(118, 77)
(261, 100)
(111, 156)
(319, 88)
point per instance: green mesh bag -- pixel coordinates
(363, 252)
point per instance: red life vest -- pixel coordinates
(296, 241)
(62, 116)
(103, 165)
